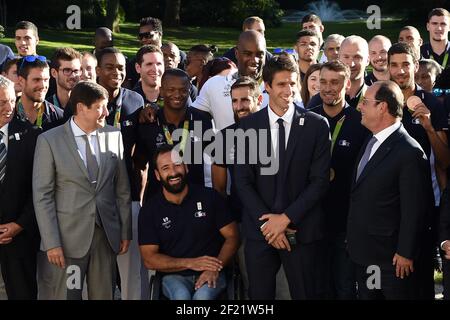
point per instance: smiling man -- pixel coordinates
(378, 49)
(214, 97)
(66, 69)
(279, 202)
(19, 235)
(86, 221)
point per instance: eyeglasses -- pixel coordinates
(365, 101)
(31, 59)
(147, 35)
(68, 72)
(440, 92)
(281, 50)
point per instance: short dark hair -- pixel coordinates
(306, 33)
(175, 72)
(27, 25)
(249, 82)
(155, 23)
(9, 63)
(390, 92)
(162, 149)
(311, 18)
(337, 66)
(438, 12)
(148, 48)
(24, 67)
(64, 54)
(99, 55)
(282, 62)
(204, 48)
(431, 65)
(86, 92)
(399, 48)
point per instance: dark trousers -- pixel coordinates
(19, 275)
(341, 269)
(391, 287)
(446, 276)
(304, 267)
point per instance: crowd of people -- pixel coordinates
(322, 167)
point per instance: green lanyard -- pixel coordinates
(361, 97)
(444, 63)
(183, 137)
(117, 117)
(23, 115)
(336, 131)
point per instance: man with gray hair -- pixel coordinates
(332, 45)
(19, 235)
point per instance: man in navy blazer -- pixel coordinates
(282, 217)
(389, 201)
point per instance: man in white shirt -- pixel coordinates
(214, 97)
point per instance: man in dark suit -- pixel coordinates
(19, 236)
(390, 198)
(282, 218)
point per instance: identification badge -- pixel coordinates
(301, 122)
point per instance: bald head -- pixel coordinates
(251, 36)
(354, 52)
(378, 52)
(358, 41)
(103, 38)
(250, 53)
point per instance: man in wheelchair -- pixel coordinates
(186, 233)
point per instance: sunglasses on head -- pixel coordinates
(31, 59)
(281, 50)
(441, 92)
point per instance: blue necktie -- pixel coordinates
(365, 157)
(3, 153)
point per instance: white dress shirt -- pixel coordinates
(383, 135)
(287, 119)
(4, 129)
(81, 144)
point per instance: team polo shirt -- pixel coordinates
(51, 118)
(438, 119)
(227, 159)
(349, 141)
(316, 100)
(443, 59)
(370, 79)
(152, 136)
(188, 230)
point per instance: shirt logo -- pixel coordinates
(166, 223)
(344, 143)
(199, 213)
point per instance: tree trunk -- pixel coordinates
(112, 12)
(172, 13)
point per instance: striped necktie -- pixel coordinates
(3, 153)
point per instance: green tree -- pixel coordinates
(172, 13)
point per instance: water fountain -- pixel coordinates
(327, 11)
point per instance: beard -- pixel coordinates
(177, 188)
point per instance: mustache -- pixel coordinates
(175, 176)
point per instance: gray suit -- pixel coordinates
(65, 200)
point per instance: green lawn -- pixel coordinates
(186, 37)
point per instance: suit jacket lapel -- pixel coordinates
(74, 149)
(379, 155)
(102, 155)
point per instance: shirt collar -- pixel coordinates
(4, 129)
(77, 132)
(288, 116)
(385, 133)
